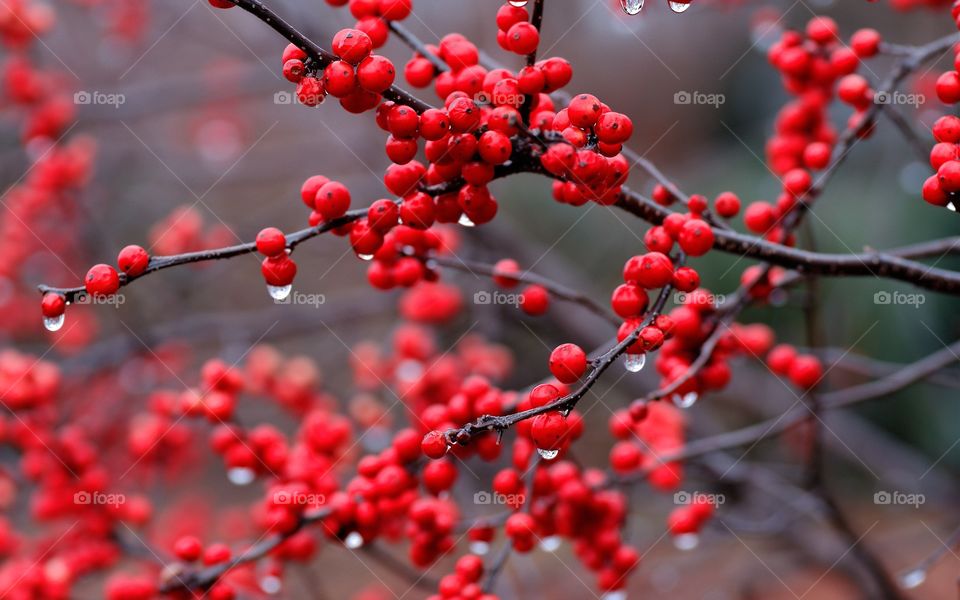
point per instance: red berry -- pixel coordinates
(339, 79)
(534, 300)
(271, 242)
(188, 548)
(696, 237)
(568, 362)
(279, 270)
(352, 45)
(523, 38)
(502, 269)
(53, 305)
(133, 260)
(584, 110)
(332, 200)
(549, 430)
(629, 300)
(866, 42)
(727, 205)
(434, 445)
(376, 73)
(948, 87)
(102, 280)
(806, 371)
(651, 270)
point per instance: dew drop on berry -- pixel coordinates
(551, 543)
(679, 7)
(547, 454)
(465, 221)
(279, 292)
(367, 257)
(686, 400)
(479, 548)
(631, 7)
(271, 584)
(951, 207)
(241, 476)
(686, 541)
(614, 595)
(54, 323)
(913, 579)
(634, 362)
(518, 3)
(353, 540)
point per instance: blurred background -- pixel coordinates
(200, 143)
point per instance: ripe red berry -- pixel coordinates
(383, 215)
(53, 305)
(549, 430)
(805, 371)
(376, 73)
(339, 79)
(502, 268)
(866, 42)
(534, 300)
(629, 300)
(651, 270)
(696, 237)
(352, 45)
(294, 70)
(434, 445)
(271, 242)
(727, 205)
(494, 147)
(188, 548)
(584, 110)
(102, 280)
(310, 91)
(614, 128)
(568, 362)
(434, 124)
(133, 260)
(508, 15)
(279, 270)
(309, 189)
(523, 38)
(686, 279)
(948, 87)
(332, 200)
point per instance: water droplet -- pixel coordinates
(614, 595)
(631, 7)
(54, 323)
(271, 585)
(679, 7)
(547, 454)
(279, 292)
(479, 548)
(951, 207)
(634, 362)
(241, 476)
(464, 219)
(365, 256)
(686, 541)
(353, 540)
(518, 3)
(551, 543)
(685, 401)
(913, 579)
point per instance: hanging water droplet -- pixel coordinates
(686, 400)
(686, 541)
(365, 256)
(679, 7)
(547, 454)
(551, 543)
(631, 7)
(479, 548)
(518, 3)
(271, 585)
(279, 292)
(913, 579)
(634, 362)
(54, 323)
(951, 206)
(353, 540)
(241, 476)
(464, 219)
(614, 595)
